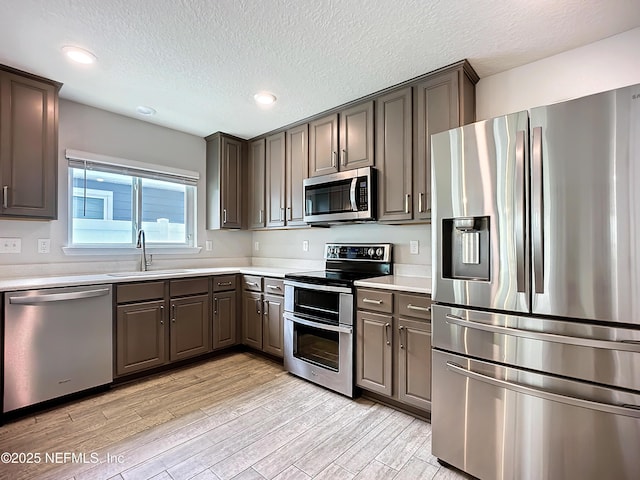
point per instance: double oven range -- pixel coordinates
(319, 326)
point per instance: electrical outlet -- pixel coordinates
(256, 246)
(10, 245)
(44, 245)
(208, 245)
(414, 247)
(305, 245)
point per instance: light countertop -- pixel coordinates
(398, 283)
(24, 283)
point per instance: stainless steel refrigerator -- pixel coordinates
(536, 276)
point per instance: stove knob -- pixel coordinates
(379, 252)
(370, 252)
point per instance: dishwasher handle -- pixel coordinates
(58, 297)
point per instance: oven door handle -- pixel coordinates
(318, 325)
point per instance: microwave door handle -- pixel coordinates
(354, 205)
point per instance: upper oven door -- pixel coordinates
(340, 196)
(323, 303)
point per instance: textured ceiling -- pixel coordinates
(199, 62)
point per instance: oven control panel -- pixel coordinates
(379, 252)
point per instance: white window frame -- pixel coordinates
(137, 170)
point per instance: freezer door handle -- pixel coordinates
(537, 227)
(626, 346)
(57, 297)
(520, 212)
(626, 410)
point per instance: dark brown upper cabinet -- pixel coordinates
(275, 180)
(342, 141)
(256, 183)
(28, 145)
(296, 170)
(224, 181)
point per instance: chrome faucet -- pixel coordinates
(141, 243)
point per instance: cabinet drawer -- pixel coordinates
(418, 306)
(375, 300)
(274, 286)
(224, 282)
(253, 283)
(188, 286)
(139, 292)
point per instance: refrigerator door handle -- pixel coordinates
(627, 346)
(537, 227)
(520, 212)
(626, 410)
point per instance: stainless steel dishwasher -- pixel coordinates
(57, 341)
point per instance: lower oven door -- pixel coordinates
(320, 353)
(500, 422)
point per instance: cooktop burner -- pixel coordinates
(346, 263)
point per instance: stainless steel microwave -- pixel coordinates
(340, 197)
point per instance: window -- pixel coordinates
(110, 201)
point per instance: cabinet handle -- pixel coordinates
(375, 302)
(161, 314)
(258, 306)
(386, 332)
(418, 308)
(215, 306)
(334, 156)
(224, 215)
(251, 284)
(407, 198)
(5, 196)
(173, 313)
(260, 216)
(344, 157)
(224, 284)
(400, 329)
(289, 214)
(274, 287)
(281, 214)
(265, 307)
(421, 202)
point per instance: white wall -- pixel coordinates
(596, 67)
(97, 131)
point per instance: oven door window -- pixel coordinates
(317, 304)
(317, 346)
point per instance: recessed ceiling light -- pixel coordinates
(144, 110)
(264, 98)
(79, 55)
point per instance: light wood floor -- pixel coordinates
(234, 417)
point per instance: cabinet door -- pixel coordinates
(414, 362)
(323, 146)
(436, 109)
(275, 178)
(394, 128)
(224, 320)
(190, 334)
(140, 337)
(28, 147)
(374, 351)
(356, 136)
(256, 184)
(252, 320)
(297, 169)
(273, 325)
(231, 183)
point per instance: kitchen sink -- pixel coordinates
(148, 273)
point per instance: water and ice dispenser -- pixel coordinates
(466, 248)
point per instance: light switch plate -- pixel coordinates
(10, 245)
(208, 245)
(256, 246)
(305, 245)
(414, 247)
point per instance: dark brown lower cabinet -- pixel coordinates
(393, 351)
(273, 325)
(189, 327)
(140, 337)
(225, 333)
(252, 320)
